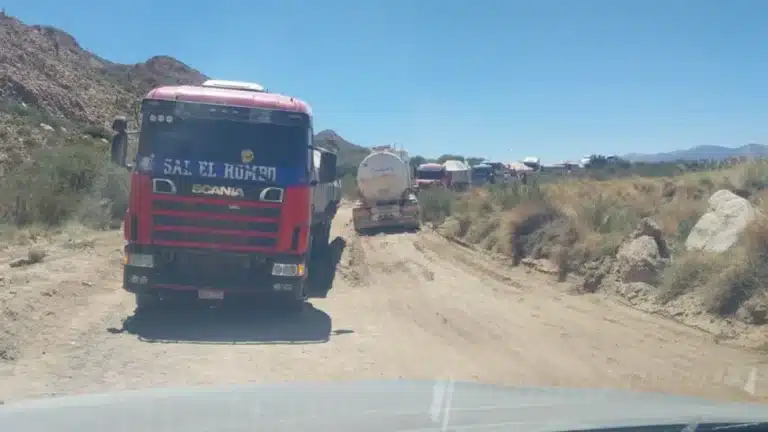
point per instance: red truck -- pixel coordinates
(429, 175)
(230, 198)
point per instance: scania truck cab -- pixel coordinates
(229, 197)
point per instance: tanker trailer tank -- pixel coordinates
(385, 194)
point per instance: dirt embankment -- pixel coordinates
(400, 306)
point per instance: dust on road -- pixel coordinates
(401, 306)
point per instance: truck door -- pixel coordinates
(317, 189)
(327, 181)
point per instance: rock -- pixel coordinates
(34, 256)
(643, 255)
(541, 265)
(754, 311)
(639, 260)
(721, 227)
(595, 275)
(648, 227)
(20, 262)
(637, 266)
(634, 291)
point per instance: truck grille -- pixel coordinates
(215, 268)
(183, 221)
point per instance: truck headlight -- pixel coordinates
(288, 270)
(139, 260)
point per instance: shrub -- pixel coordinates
(573, 220)
(53, 185)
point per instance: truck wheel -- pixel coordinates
(314, 242)
(321, 235)
(291, 304)
(146, 302)
(327, 233)
(294, 306)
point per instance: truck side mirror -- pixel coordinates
(330, 173)
(118, 148)
(119, 124)
(119, 143)
(327, 172)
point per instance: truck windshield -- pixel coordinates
(227, 149)
(430, 175)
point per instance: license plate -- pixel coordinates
(210, 295)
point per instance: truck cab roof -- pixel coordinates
(230, 96)
(431, 167)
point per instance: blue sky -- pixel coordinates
(502, 79)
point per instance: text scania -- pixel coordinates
(217, 190)
(209, 169)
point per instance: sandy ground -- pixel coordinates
(401, 305)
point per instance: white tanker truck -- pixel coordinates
(385, 191)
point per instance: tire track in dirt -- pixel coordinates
(351, 334)
(402, 305)
(455, 308)
(640, 350)
(353, 267)
(58, 297)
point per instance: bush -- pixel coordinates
(56, 185)
(349, 186)
(436, 204)
(573, 221)
(98, 132)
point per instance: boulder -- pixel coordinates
(721, 227)
(639, 259)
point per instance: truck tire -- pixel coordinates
(321, 234)
(146, 303)
(293, 303)
(291, 306)
(327, 233)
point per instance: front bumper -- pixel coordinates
(180, 271)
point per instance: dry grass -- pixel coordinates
(61, 184)
(575, 221)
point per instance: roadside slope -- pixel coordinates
(401, 306)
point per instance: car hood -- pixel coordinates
(369, 405)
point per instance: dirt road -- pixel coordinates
(401, 306)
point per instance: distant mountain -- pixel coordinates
(702, 152)
(349, 154)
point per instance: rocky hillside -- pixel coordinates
(52, 90)
(45, 68)
(51, 87)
